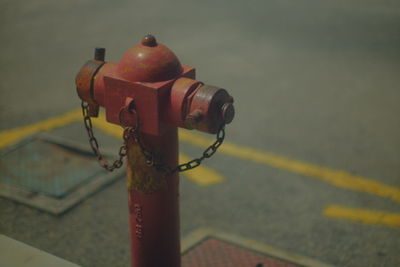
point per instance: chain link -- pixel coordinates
(208, 152)
(123, 150)
(151, 159)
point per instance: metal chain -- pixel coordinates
(123, 150)
(151, 159)
(206, 153)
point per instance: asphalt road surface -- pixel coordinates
(316, 82)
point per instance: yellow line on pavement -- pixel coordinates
(363, 215)
(9, 137)
(201, 175)
(334, 177)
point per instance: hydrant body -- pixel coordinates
(153, 199)
(150, 90)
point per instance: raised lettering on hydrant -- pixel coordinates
(150, 93)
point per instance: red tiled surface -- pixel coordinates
(216, 253)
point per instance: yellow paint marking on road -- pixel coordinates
(201, 175)
(335, 177)
(108, 128)
(12, 136)
(363, 215)
(332, 176)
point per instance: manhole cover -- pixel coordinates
(50, 173)
(206, 247)
(219, 253)
(47, 167)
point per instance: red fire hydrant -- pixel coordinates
(150, 93)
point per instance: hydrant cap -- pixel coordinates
(149, 61)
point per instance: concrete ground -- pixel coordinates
(315, 81)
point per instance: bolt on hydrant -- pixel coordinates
(150, 94)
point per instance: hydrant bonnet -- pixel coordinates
(149, 61)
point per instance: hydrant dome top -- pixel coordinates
(149, 61)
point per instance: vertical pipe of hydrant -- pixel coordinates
(154, 203)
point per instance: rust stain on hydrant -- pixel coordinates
(140, 176)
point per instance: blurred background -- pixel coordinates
(315, 83)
